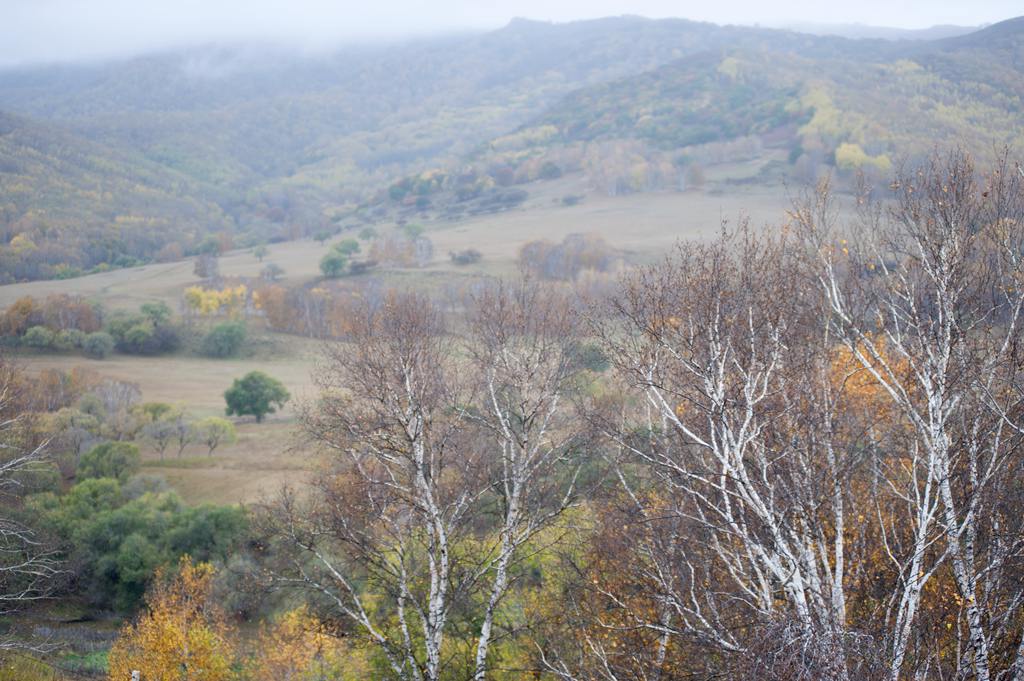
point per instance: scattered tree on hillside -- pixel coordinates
(215, 431)
(255, 394)
(207, 267)
(333, 265)
(184, 432)
(271, 272)
(160, 433)
(115, 402)
(154, 411)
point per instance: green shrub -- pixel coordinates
(223, 340)
(68, 339)
(64, 271)
(466, 257)
(347, 247)
(119, 542)
(98, 345)
(38, 337)
(158, 313)
(118, 460)
(333, 264)
(147, 333)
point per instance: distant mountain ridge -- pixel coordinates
(986, 67)
(259, 143)
(862, 31)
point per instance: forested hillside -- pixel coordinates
(67, 203)
(257, 143)
(847, 111)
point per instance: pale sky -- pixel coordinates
(62, 30)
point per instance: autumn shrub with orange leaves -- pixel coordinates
(182, 634)
(205, 302)
(300, 647)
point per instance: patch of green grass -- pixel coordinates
(19, 667)
(183, 462)
(90, 664)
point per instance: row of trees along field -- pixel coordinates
(783, 454)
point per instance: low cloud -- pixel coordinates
(63, 30)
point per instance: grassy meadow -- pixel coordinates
(267, 455)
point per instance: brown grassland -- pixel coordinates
(642, 226)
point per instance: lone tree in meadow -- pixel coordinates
(256, 394)
(333, 265)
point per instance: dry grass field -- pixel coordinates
(642, 224)
(264, 456)
(268, 455)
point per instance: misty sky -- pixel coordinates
(59, 30)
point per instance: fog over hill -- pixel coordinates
(260, 141)
(858, 31)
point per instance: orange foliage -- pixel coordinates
(298, 646)
(182, 635)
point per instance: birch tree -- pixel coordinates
(29, 567)
(392, 503)
(446, 455)
(927, 296)
(520, 348)
(734, 430)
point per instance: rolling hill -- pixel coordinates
(798, 110)
(67, 203)
(256, 142)
(850, 110)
